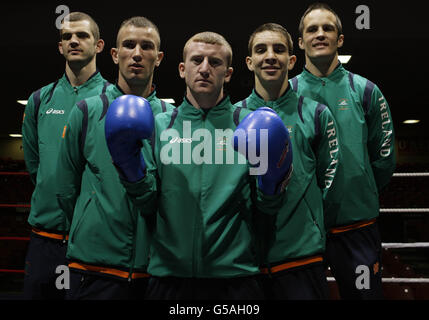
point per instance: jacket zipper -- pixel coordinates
(64, 217)
(133, 252)
(197, 257)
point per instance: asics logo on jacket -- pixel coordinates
(54, 111)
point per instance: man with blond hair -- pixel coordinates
(203, 243)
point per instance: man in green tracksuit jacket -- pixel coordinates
(203, 243)
(292, 260)
(366, 134)
(108, 245)
(44, 120)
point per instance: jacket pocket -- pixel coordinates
(318, 223)
(79, 215)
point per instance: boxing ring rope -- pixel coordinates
(20, 205)
(394, 280)
(330, 279)
(399, 245)
(404, 210)
(403, 245)
(15, 205)
(411, 174)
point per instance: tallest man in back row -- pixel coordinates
(367, 142)
(44, 120)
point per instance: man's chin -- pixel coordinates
(136, 80)
(322, 58)
(78, 61)
(272, 78)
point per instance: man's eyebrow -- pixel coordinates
(195, 56)
(260, 44)
(78, 32)
(311, 26)
(314, 25)
(132, 40)
(264, 45)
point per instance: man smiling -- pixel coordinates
(366, 137)
(292, 246)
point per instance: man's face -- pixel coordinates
(270, 59)
(137, 54)
(205, 69)
(77, 44)
(320, 35)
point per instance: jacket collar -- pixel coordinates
(338, 73)
(94, 77)
(189, 111)
(151, 96)
(258, 100)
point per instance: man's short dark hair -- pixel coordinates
(79, 16)
(321, 6)
(139, 22)
(275, 28)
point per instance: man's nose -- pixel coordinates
(74, 41)
(137, 54)
(320, 33)
(205, 68)
(270, 56)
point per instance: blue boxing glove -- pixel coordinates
(263, 139)
(129, 119)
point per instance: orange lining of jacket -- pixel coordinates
(111, 271)
(352, 226)
(291, 264)
(49, 234)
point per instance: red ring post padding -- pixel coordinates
(11, 271)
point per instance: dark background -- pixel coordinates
(392, 53)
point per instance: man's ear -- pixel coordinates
(249, 63)
(228, 74)
(182, 70)
(60, 48)
(340, 41)
(114, 53)
(300, 43)
(292, 61)
(99, 46)
(159, 58)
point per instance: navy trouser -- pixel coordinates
(306, 282)
(173, 288)
(354, 257)
(91, 286)
(43, 257)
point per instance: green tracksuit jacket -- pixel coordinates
(107, 229)
(367, 141)
(299, 226)
(204, 224)
(44, 120)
